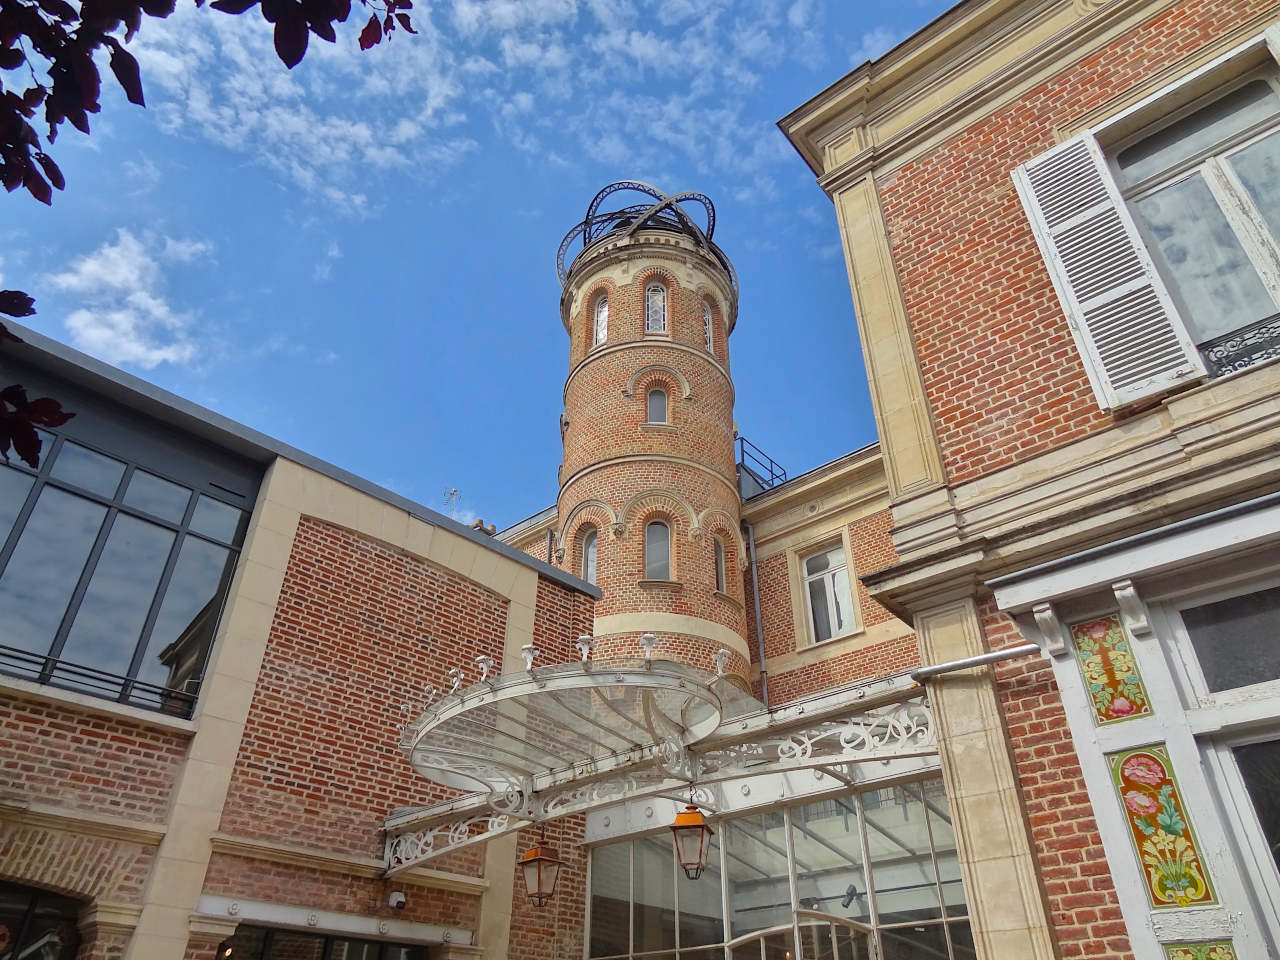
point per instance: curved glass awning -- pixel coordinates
(524, 730)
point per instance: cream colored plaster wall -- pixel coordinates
(289, 492)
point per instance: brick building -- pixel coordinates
(1003, 685)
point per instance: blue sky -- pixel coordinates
(358, 256)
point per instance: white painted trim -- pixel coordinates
(326, 921)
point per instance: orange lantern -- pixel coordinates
(693, 840)
(541, 867)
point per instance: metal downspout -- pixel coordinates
(755, 597)
(1022, 650)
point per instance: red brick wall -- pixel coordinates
(560, 618)
(553, 932)
(1073, 867)
(74, 758)
(1000, 367)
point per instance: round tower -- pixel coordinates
(649, 507)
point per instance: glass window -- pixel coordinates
(900, 852)
(14, 486)
(158, 497)
(601, 321)
(1260, 769)
(701, 919)
(1234, 639)
(35, 925)
(830, 874)
(707, 324)
(264, 943)
(657, 406)
(653, 894)
(216, 519)
(655, 308)
(610, 900)
(757, 875)
(82, 467)
(589, 541)
(826, 588)
(720, 579)
(1204, 189)
(657, 551)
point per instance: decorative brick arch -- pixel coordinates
(658, 368)
(713, 519)
(659, 273)
(602, 287)
(75, 865)
(597, 512)
(667, 501)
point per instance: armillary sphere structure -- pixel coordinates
(661, 212)
(549, 741)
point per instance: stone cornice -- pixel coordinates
(90, 823)
(862, 468)
(334, 862)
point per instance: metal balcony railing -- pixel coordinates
(1244, 347)
(98, 683)
(757, 471)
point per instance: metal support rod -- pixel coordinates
(755, 599)
(1022, 650)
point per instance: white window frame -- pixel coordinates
(648, 405)
(708, 326)
(601, 323)
(833, 547)
(655, 307)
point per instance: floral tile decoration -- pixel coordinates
(1218, 950)
(1110, 672)
(1162, 835)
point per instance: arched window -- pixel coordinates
(655, 308)
(720, 579)
(602, 320)
(589, 540)
(657, 551)
(657, 405)
(706, 324)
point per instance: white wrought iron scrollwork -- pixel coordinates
(407, 849)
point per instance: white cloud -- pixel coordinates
(184, 251)
(873, 44)
(125, 317)
(324, 266)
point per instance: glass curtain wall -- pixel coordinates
(885, 858)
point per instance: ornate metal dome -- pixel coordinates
(663, 213)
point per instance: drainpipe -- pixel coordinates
(551, 540)
(1022, 650)
(755, 597)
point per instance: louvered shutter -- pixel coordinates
(1129, 333)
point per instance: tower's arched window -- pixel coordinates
(657, 551)
(602, 320)
(589, 541)
(655, 308)
(720, 578)
(657, 405)
(706, 324)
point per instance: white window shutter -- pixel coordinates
(1129, 333)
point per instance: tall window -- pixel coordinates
(720, 579)
(37, 925)
(706, 324)
(1206, 189)
(826, 589)
(657, 405)
(112, 574)
(589, 541)
(655, 308)
(602, 320)
(657, 551)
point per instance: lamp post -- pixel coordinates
(692, 839)
(541, 866)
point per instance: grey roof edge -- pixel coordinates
(856, 454)
(530, 521)
(124, 388)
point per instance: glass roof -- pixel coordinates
(569, 719)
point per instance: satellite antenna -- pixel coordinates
(451, 497)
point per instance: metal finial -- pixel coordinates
(457, 676)
(485, 663)
(721, 658)
(648, 641)
(430, 694)
(585, 645)
(530, 653)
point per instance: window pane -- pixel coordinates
(51, 932)
(602, 320)
(821, 612)
(1260, 768)
(1204, 262)
(397, 952)
(901, 864)
(14, 487)
(653, 894)
(15, 901)
(657, 552)
(92, 471)
(1258, 167)
(756, 860)
(354, 950)
(248, 942)
(610, 899)
(843, 604)
(45, 566)
(818, 562)
(158, 497)
(287, 945)
(1234, 639)
(720, 583)
(914, 943)
(962, 941)
(589, 557)
(1208, 126)
(944, 848)
(188, 614)
(830, 874)
(701, 909)
(110, 619)
(216, 519)
(657, 406)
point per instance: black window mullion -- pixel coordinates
(19, 522)
(25, 925)
(82, 585)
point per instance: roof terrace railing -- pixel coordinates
(762, 468)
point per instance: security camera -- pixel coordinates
(397, 899)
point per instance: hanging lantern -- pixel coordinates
(693, 840)
(541, 868)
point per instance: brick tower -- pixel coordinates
(649, 507)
